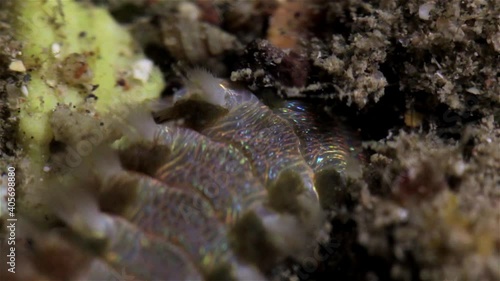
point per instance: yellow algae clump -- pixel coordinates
(74, 51)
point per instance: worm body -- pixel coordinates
(218, 171)
(191, 202)
(325, 142)
(143, 255)
(264, 137)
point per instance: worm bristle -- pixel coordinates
(204, 86)
(78, 208)
(138, 123)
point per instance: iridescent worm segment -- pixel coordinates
(227, 196)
